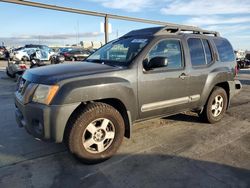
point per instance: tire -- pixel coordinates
(10, 75)
(244, 65)
(24, 58)
(216, 106)
(52, 61)
(88, 140)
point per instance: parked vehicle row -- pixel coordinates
(244, 62)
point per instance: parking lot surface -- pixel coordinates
(176, 151)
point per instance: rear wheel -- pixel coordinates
(24, 58)
(96, 133)
(216, 106)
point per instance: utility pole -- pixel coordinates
(106, 28)
(77, 32)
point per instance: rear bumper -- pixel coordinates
(235, 88)
(42, 121)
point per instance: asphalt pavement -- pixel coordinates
(176, 151)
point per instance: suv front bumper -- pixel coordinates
(42, 121)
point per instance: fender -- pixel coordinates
(93, 89)
(215, 77)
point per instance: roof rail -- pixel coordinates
(182, 28)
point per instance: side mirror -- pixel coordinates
(155, 62)
(145, 64)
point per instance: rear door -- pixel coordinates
(201, 58)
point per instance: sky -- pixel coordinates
(21, 24)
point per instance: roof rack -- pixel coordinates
(171, 29)
(182, 29)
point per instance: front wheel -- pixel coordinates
(216, 106)
(96, 133)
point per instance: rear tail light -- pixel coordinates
(236, 70)
(66, 54)
(23, 67)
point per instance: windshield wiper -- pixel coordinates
(104, 62)
(94, 60)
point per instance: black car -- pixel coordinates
(76, 55)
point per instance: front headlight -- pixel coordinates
(45, 93)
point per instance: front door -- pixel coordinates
(163, 90)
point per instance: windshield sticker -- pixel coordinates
(139, 40)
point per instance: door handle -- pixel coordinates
(183, 76)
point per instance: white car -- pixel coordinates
(45, 50)
(22, 54)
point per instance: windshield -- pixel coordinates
(119, 52)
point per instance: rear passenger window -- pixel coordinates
(224, 49)
(207, 51)
(196, 52)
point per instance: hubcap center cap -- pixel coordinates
(99, 135)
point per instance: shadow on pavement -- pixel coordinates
(184, 117)
(140, 170)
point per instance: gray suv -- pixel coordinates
(148, 73)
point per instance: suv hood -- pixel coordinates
(52, 74)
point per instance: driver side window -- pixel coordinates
(169, 49)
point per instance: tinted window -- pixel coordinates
(207, 50)
(169, 49)
(196, 52)
(225, 50)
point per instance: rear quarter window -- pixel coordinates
(225, 50)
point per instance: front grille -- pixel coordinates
(22, 86)
(25, 90)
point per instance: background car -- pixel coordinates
(20, 54)
(3, 51)
(76, 55)
(43, 48)
(57, 58)
(15, 68)
(247, 60)
(63, 50)
(244, 62)
(23, 53)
